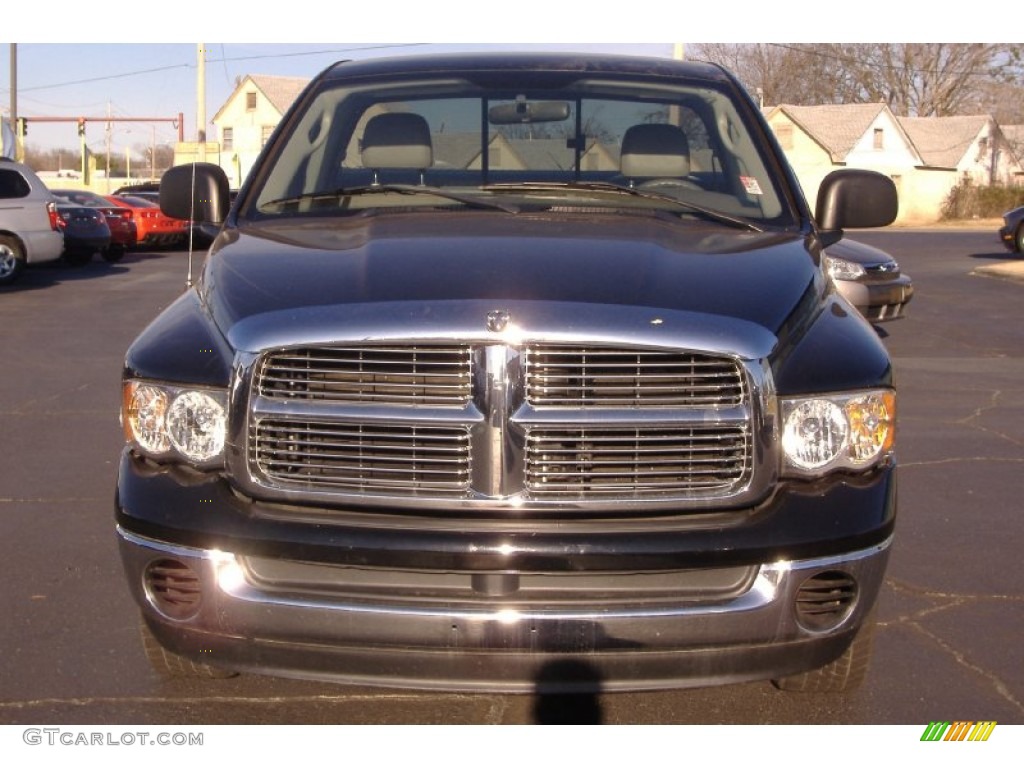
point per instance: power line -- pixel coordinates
(225, 59)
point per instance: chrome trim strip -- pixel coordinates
(775, 584)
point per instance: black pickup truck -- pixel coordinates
(507, 365)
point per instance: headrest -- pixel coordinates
(397, 140)
(654, 150)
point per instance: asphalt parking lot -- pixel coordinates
(950, 615)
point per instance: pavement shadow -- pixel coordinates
(568, 693)
(41, 276)
(996, 256)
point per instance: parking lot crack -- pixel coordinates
(960, 658)
(947, 601)
(960, 459)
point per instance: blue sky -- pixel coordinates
(151, 76)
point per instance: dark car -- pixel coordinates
(870, 279)
(501, 365)
(85, 232)
(1012, 231)
(123, 234)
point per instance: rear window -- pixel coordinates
(13, 184)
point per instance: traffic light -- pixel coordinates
(81, 126)
(22, 126)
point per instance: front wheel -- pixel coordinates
(844, 674)
(113, 254)
(1018, 240)
(12, 260)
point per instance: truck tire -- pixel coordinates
(113, 254)
(12, 259)
(170, 664)
(842, 675)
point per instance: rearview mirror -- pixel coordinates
(528, 112)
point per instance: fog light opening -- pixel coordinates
(826, 600)
(173, 588)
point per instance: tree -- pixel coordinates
(914, 79)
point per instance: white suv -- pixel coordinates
(28, 221)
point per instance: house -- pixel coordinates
(820, 139)
(1014, 135)
(971, 146)
(248, 118)
(925, 156)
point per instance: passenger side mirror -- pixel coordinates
(853, 198)
(196, 192)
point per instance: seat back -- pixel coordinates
(397, 140)
(654, 150)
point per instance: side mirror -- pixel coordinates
(197, 192)
(853, 198)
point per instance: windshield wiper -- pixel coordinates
(471, 201)
(604, 186)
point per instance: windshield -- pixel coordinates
(453, 144)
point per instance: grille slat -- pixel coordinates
(595, 377)
(381, 458)
(415, 375)
(635, 462)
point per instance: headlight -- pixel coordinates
(848, 431)
(841, 269)
(167, 422)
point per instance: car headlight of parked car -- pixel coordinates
(841, 269)
(175, 423)
(840, 431)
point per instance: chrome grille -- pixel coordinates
(596, 377)
(398, 375)
(363, 457)
(638, 463)
(489, 424)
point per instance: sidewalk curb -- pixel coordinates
(1011, 270)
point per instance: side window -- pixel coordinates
(12, 184)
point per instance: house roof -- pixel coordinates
(455, 150)
(943, 141)
(836, 127)
(279, 91)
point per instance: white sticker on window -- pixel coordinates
(750, 185)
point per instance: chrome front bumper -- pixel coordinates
(239, 624)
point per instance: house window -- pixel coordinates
(227, 138)
(879, 138)
(784, 133)
(250, 101)
(265, 135)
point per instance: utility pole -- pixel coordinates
(19, 143)
(201, 103)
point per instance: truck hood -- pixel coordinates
(433, 275)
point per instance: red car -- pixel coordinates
(123, 232)
(154, 228)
